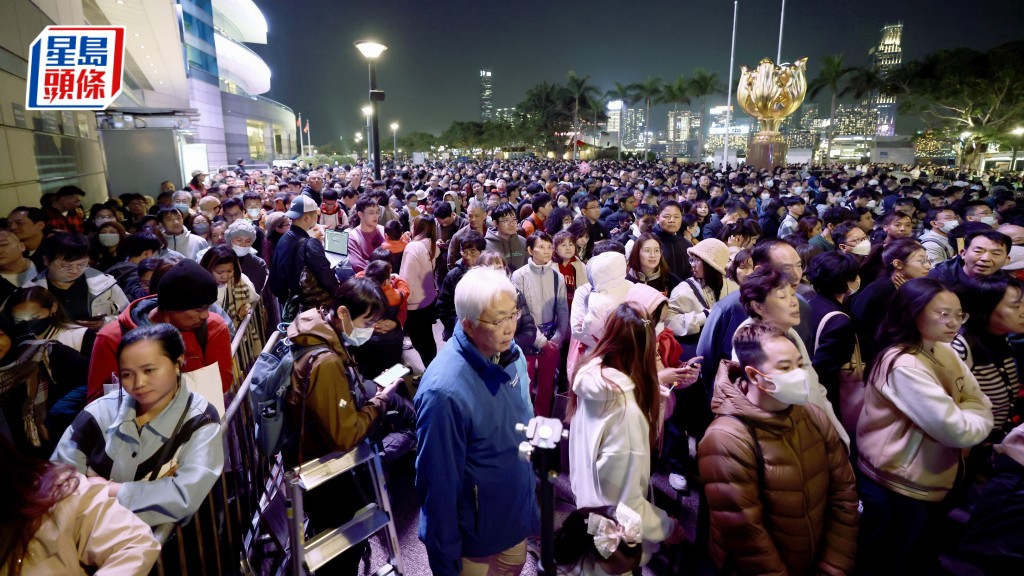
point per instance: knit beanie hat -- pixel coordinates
(186, 286)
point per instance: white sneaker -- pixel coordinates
(678, 482)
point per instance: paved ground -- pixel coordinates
(686, 559)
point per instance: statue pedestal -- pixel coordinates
(767, 150)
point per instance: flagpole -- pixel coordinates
(728, 103)
(309, 138)
(299, 128)
(782, 20)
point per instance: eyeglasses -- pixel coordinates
(504, 322)
(71, 267)
(922, 262)
(947, 317)
(653, 252)
(506, 221)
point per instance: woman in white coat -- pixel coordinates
(615, 410)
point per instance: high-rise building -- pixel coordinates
(506, 115)
(884, 58)
(633, 128)
(486, 94)
(856, 120)
(739, 129)
(678, 133)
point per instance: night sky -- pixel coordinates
(436, 48)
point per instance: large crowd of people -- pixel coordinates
(830, 357)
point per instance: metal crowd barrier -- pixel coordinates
(228, 534)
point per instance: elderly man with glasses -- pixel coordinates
(479, 502)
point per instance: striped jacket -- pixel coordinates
(104, 440)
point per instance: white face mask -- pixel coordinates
(358, 337)
(797, 190)
(109, 240)
(990, 220)
(769, 183)
(949, 225)
(765, 195)
(240, 250)
(871, 204)
(862, 249)
(790, 387)
(254, 213)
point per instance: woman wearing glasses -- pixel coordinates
(922, 408)
(904, 260)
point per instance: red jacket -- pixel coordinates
(104, 351)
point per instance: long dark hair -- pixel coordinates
(633, 264)
(573, 542)
(425, 226)
(44, 299)
(899, 328)
(628, 345)
(31, 487)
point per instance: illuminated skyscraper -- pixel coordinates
(884, 58)
(486, 92)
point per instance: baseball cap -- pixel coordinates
(301, 205)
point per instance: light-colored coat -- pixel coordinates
(920, 411)
(89, 528)
(610, 450)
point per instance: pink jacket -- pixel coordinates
(418, 270)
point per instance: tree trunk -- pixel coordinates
(575, 126)
(831, 130)
(703, 128)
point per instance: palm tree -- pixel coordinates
(649, 90)
(831, 76)
(702, 85)
(676, 93)
(628, 97)
(581, 91)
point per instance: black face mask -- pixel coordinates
(32, 329)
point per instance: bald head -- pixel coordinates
(1016, 233)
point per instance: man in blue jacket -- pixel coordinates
(479, 502)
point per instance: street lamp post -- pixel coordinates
(394, 139)
(370, 136)
(1017, 133)
(359, 138)
(371, 51)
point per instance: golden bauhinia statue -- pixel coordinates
(770, 93)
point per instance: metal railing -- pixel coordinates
(227, 533)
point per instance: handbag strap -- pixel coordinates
(758, 458)
(698, 291)
(165, 454)
(821, 327)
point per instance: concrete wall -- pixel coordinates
(40, 151)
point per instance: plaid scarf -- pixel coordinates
(31, 368)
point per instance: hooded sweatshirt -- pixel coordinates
(513, 248)
(338, 409)
(607, 274)
(610, 450)
(797, 515)
(104, 351)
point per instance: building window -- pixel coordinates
(257, 144)
(278, 149)
(201, 60)
(197, 27)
